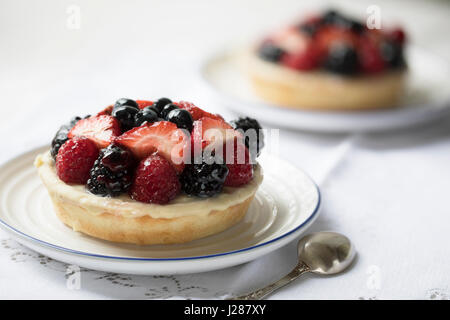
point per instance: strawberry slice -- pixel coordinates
(101, 129)
(144, 103)
(162, 137)
(196, 112)
(208, 131)
(107, 111)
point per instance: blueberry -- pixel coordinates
(181, 118)
(145, 115)
(167, 108)
(392, 54)
(160, 104)
(332, 17)
(341, 59)
(270, 52)
(126, 102)
(125, 114)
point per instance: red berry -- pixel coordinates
(207, 130)
(196, 112)
(370, 58)
(162, 136)
(107, 111)
(101, 129)
(155, 181)
(240, 170)
(306, 60)
(398, 35)
(75, 159)
(144, 103)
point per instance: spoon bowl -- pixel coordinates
(326, 252)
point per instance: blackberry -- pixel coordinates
(205, 179)
(61, 135)
(112, 173)
(254, 141)
(341, 59)
(270, 52)
(392, 54)
(332, 17)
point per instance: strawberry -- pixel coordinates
(144, 103)
(155, 181)
(308, 59)
(207, 130)
(196, 112)
(240, 170)
(163, 137)
(75, 159)
(107, 111)
(100, 129)
(326, 36)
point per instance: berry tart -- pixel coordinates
(152, 172)
(330, 62)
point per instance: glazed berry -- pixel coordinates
(270, 52)
(101, 129)
(370, 58)
(196, 112)
(254, 136)
(167, 108)
(332, 17)
(126, 116)
(309, 59)
(75, 159)
(61, 136)
(392, 54)
(160, 104)
(126, 102)
(240, 170)
(155, 181)
(181, 118)
(341, 59)
(145, 115)
(205, 179)
(112, 172)
(398, 36)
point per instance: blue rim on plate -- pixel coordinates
(77, 252)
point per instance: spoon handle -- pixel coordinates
(299, 269)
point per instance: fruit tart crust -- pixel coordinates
(323, 91)
(124, 220)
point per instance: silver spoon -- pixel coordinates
(321, 253)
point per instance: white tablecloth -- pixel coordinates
(388, 192)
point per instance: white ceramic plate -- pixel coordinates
(285, 205)
(427, 97)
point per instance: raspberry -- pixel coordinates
(370, 58)
(240, 170)
(75, 159)
(155, 181)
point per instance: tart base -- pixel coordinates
(146, 230)
(323, 91)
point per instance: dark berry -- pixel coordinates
(332, 17)
(160, 104)
(254, 136)
(270, 52)
(205, 179)
(392, 53)
(341, 59)
(75, 159)
(125, 114)
(112, 173)
(145, 115)
(309, 28)
(167, 108)
(61, 135)
(182, 118)
(126, 102)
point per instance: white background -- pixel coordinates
(388, 192)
